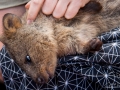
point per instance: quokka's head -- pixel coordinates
(23, 46)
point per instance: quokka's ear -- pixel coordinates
(11, 23)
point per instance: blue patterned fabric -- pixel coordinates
(92, 71)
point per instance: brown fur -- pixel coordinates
(47, 37)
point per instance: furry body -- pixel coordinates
(47, 37)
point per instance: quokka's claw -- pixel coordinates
(95, 44)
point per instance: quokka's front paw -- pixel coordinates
(93, 45)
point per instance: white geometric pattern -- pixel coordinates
(92, 71)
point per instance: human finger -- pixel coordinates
(61, 8)
(49, 6)
(74, 7)
(27, 5)
(33, 10)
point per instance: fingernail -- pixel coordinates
(67, 17)
(29, 21)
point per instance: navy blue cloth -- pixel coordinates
(92, 71)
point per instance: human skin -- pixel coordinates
(58, 8)
(13, 10)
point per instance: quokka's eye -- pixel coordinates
(27, 59)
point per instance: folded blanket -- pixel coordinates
(92, 71)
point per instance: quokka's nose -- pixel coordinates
(40, 80)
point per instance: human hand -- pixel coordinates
(58, 8)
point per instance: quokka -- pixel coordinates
(35, 47)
